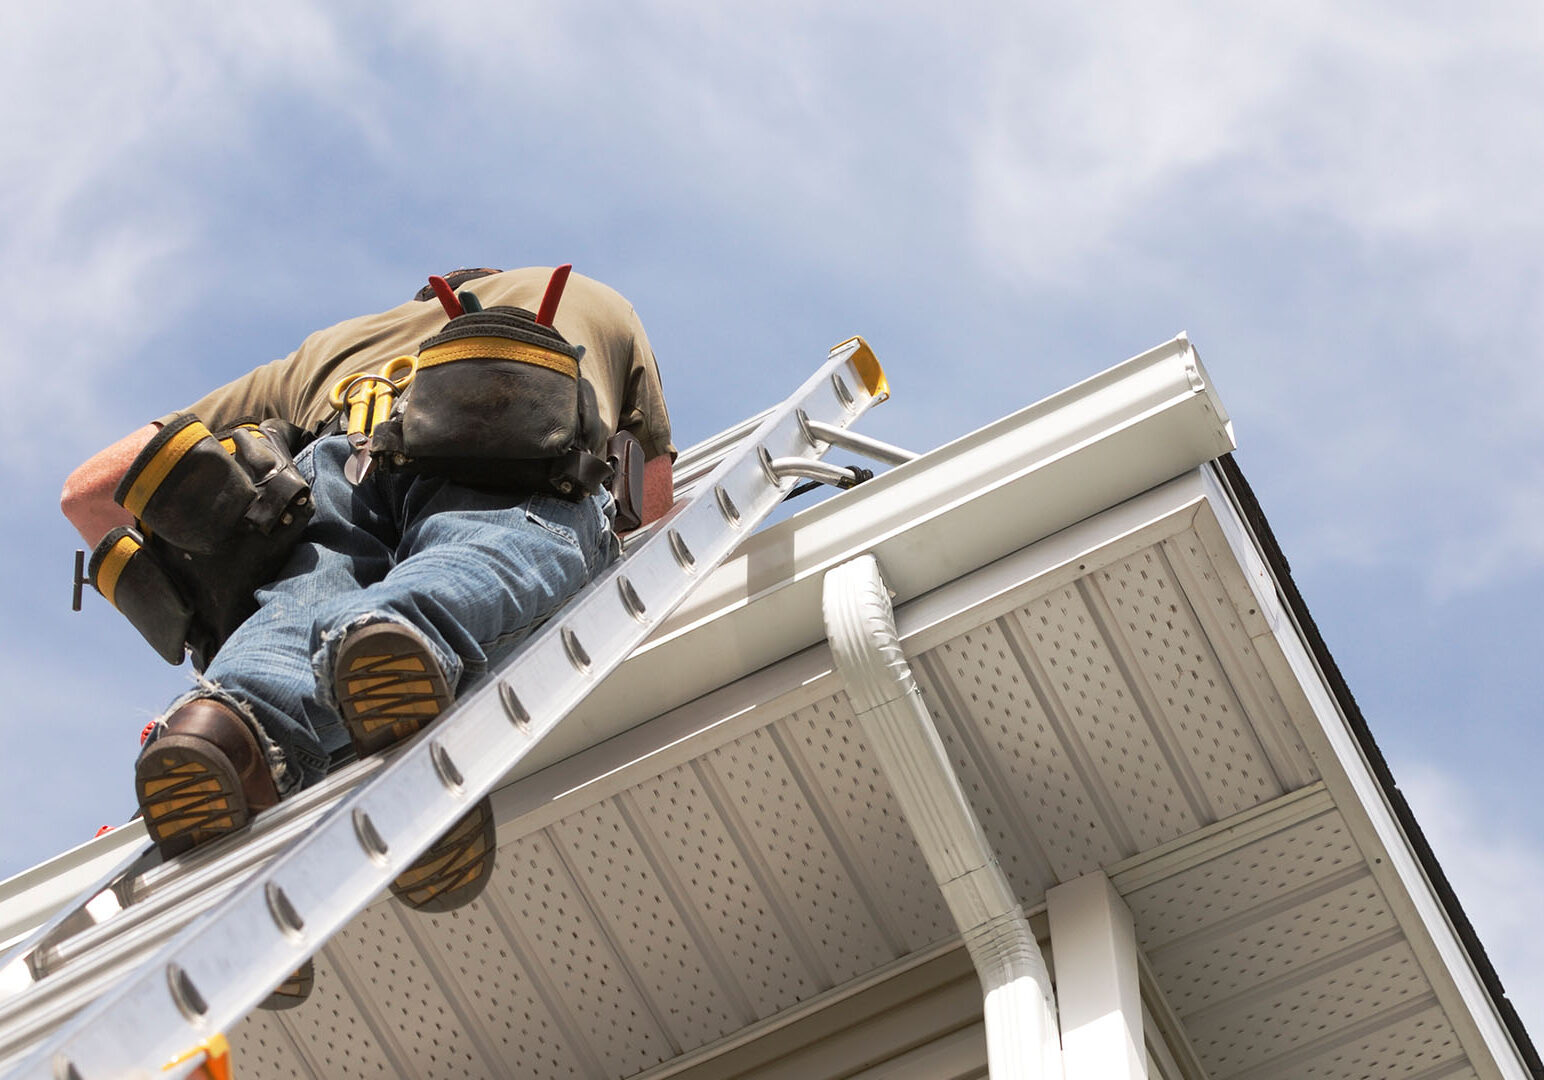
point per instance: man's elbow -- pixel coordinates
(72, 497)
(87, 497)
(88, 508)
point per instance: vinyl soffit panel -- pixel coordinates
(677, 818)
(728, 866)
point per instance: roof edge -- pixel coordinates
(1253, 516)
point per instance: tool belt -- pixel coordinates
(497, 402)
(216, 516)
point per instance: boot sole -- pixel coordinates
(189, 794)
(388, 689)
(455, 869)
(292, 991)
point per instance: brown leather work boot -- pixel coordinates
(203, 778)
(388, 687)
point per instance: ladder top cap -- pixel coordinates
(866, 364)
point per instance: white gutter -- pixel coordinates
(1021, 1032)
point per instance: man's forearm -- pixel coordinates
(87, 499)
(658, 487)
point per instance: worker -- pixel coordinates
(348, 538)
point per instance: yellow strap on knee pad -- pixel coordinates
(110, 568)
(157, 469)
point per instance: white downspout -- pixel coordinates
(1021, 1032)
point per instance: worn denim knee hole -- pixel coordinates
(287, 774)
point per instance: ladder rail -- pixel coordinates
(215, 969)
(52, 961)
(16, 967)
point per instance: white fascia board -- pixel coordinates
(1358, 794)
(931, 521)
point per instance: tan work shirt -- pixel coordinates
(617, 359)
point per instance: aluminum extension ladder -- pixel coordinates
(145, 970)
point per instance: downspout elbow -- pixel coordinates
(1022, 1037)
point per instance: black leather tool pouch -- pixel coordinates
(186, 487)
(218, 515)
(180, 599)
(498, 402)
(197, 490)
(624, 453)
(266, 451)
(136, 582)
(493, 384)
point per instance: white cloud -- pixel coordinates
(798, 124)
(1407, 390)
(1090, 114)
(1389, 119)
(113, 109)
(1498, 876)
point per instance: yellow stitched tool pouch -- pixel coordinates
(493, 386)
(186, 487)
(135, 581)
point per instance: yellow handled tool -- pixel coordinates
(369, 396)
(368, 399)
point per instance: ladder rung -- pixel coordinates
(698, 460)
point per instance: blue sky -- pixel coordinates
(1340, 203)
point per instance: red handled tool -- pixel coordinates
(447, 296)
(554, 294)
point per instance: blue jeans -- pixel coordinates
(471, 571)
